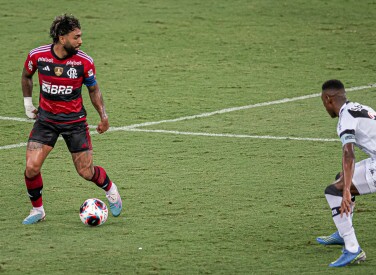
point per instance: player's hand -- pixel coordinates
(30, 110)
(103, 126)
(346, 203)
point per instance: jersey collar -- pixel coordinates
(343, 107)
(55, 56)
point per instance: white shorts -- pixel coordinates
(364, 177)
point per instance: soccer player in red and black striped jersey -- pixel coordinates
(62, 70)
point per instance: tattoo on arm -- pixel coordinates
(26, 83)
(97, 100)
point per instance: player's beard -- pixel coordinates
(70, 50)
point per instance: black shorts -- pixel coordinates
(76, 135)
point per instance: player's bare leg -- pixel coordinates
(36, 154)
(83, 162)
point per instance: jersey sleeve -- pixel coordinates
(89, 75)
(30, 64)
(347, 126)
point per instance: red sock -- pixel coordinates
(34, 187)
(101, 178)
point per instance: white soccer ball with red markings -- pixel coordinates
(93, 212)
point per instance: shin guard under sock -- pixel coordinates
(34, 187)
(101, 178)
(344, 223)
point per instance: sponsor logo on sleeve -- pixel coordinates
(356, 108)
(90, 72)
(30, 65)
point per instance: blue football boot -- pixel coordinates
(114, 201)
(34, 217)
(334, 239)
(349, 258)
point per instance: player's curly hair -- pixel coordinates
(333, 84)
(62, 25)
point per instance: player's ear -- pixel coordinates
(328, 98)
(62, 39)
(324, 97)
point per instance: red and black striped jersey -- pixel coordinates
(60, 80)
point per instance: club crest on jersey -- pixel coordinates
(58, 71)
(72, 73)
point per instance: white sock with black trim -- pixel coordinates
(343, 224)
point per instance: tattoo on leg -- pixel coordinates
(32, 146)
(83, 162)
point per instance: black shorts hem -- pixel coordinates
(81, 150)
(41, 142)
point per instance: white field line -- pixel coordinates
(16, 119)
(11, 146)
(29, 120)
(23, 144)
(233, 135)
(228, 110)
(134, 127)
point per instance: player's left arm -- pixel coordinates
(348, 166)
(97, 101)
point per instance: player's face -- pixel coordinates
(326, 100)
(72, 41)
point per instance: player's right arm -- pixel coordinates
(27, 90)
(346, 128)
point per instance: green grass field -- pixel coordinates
(203, 194)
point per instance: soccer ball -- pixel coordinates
(93, 212)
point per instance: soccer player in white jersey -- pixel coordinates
(356, 127)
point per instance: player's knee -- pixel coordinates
(332, 190)
(32, 170)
